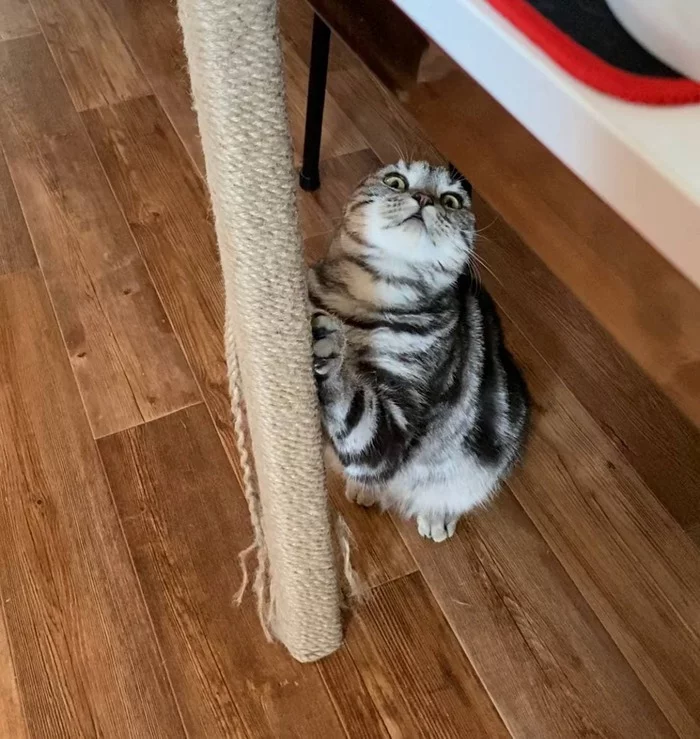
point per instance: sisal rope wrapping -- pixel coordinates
(236, 70)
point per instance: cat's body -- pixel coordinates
(422, 404)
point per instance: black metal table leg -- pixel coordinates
(309, 177)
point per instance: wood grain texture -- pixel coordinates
(12, 724)
(84, 652)
(296, 24)
(91, 56)
(634, 565)
(16, 248)
(548, 664)
(413, 668)
(126, 359)
(152, 31)
(186, 520)
(17, 19)
(339, 133)
(647, 428)
(316, 247)
(353, 703)
(378, 116)
(167, 208)
(694, 534)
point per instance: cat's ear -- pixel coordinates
(457, 176)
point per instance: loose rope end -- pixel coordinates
(352, 588)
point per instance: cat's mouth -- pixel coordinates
(417, 216)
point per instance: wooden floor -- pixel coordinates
(570, 607)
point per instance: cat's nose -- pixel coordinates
(422, 199)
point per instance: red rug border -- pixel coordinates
(591, 69)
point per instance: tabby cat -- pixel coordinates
(423, 406)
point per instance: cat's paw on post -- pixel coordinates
(328, 343)
(437, 528)
(358, 494)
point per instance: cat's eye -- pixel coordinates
(451, 200)
(396, 181)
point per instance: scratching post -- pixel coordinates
(236, 70)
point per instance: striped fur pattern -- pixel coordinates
(423, 406)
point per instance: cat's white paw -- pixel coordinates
(329, 343)
(359, 495)
(437, 528)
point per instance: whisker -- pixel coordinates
(476, 278)
(397, 149)
(481, 237)
(482, 263)
(485, 228)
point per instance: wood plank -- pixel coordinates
(17, 19)
(94, 61)
(12, 723)
(647, 428)
(167, 208)
(316, 247)
(152, 31)
(413, 667)
(548, 664)
(126, 359)
(228, 680)
(391, 133)
(16, 248)
(352, 701)
(84, 651)
(634, 565)
(339, 133)
(296, 22)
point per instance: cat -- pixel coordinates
(424, 407)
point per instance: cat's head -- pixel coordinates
(413, 212)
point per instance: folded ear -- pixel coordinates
(457, 176)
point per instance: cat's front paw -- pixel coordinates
(359, 494)
(328, 343)
(437, 528)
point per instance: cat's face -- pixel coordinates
(413, 212)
